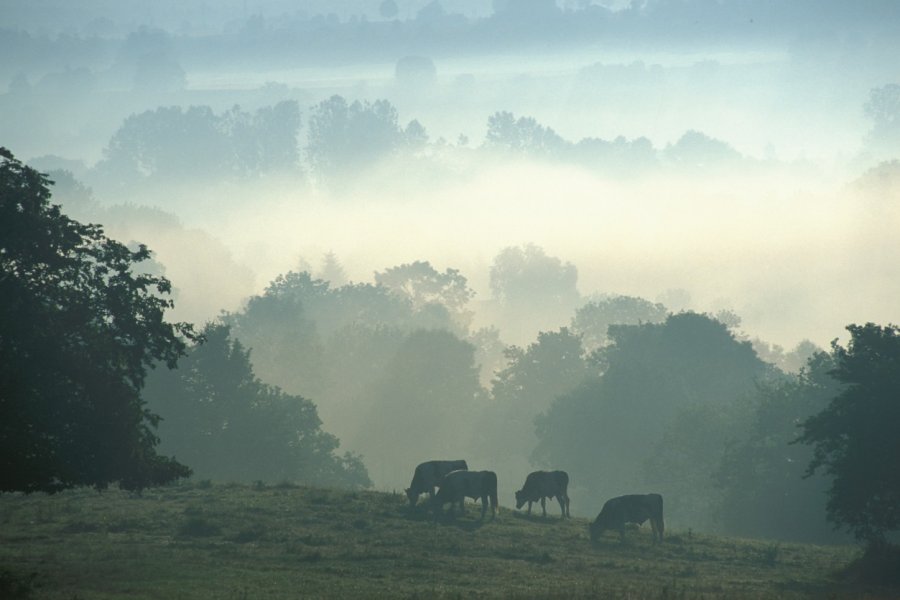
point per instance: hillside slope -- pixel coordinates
(232, 541)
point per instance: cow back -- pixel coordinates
(631, 508)
(429, 474)
(544, 484)
(460, 484)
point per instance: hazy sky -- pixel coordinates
(785, 241)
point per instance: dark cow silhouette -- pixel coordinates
(428, 475)
(459, 485)
(545, 484)
(634, 508)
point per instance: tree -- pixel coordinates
(264, 141)
(534, 376)
(346, 137)
(332, 271)
(167, 143)
(79, 330)
(883, 108)
(424, 286)
(855, 439)
(656, 414)
(388, 9)
(219, 417)
(593, 319)
(423, 401)
(523, 136)
(281, 326)
(696, 149)
(761, 476)
(532, 291)
(532, 379)
(529, 275)
(171, 144)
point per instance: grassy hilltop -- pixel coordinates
(245, 542)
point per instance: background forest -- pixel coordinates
(643, 242)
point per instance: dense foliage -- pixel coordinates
(855, 439)
(668, 397)
(172, 144)
(221, 419)
(80, 326)
(761, 474)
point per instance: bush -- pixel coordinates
(879, 565)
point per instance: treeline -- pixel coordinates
(379, 32)
(343, 140)
(172, 145)
(627, 397)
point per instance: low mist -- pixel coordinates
(794, 256)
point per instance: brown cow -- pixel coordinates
(633, 508)
(459, 485)
(541, 485)
(428, 475)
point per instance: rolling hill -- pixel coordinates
(230, 541)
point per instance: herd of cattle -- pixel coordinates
(455, 482)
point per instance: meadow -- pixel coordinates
(229, 541)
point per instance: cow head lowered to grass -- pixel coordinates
(428, 475)
(633, 508)
(541, 485)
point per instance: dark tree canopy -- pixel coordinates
(762, 475)
(228, 425)
(593, 319)
(855, 439)
(78, 330)
(658, 413)
(526, 386)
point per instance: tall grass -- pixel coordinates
(230, 541)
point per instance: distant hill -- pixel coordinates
(232, 541)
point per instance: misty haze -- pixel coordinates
(650, 243)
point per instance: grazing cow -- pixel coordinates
(545, 484)
(634, 508)
(459, 485)
(428, 475)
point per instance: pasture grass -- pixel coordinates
(206, 540)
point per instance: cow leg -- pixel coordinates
(562, 507)
(543, 506)
(529, 508)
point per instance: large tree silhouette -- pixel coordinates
(855, 438)
(78, 330)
